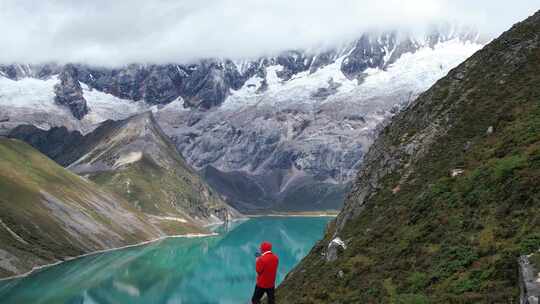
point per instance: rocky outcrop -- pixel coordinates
(367, 53)
(57, 142)
(203, 85)
(209, 84)
(293, 62)
(325, 92)
(529, 280)
(335, 247)
(19, 71)
(69, 92)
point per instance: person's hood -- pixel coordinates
(266, 246)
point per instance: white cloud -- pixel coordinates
(123, 31)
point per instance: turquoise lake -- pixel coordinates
(218, 269)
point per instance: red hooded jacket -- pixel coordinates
(266, 267)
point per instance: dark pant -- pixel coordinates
(259, 292)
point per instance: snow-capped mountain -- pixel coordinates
(264, 132)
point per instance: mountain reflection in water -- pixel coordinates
(217, 269)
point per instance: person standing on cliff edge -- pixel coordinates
(266, 267)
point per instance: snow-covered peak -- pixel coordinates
(413, 71)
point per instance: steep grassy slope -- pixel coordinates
(135, 158)
(448, 197)
(49, 213)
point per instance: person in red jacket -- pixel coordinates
(266, 267)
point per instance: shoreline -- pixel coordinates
(236, 219)
(187, 235)
(328, 214)
(41, 267)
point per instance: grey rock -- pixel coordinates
(456, 172)
(69, 92)
(335, 247)
(208, 84)
(367, 53)
(323, 93)
(19, 71)
(57, 142)
(529, 282)
(265, 157)
(323, 59)
(293, 62)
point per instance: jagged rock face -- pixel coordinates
(203, 85)
(528, 274)
(323, 59)
(366, 54)
(154, 84)
(19, 71)
(458, 164)
(56, 142)
(293, 62)
(277, 154)
(69, 92)
(208, 84)
(162, 85)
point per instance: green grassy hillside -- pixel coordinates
(49, 213)
(135, 159)
(415, 233)
(161, 193)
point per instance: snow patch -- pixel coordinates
(31, 93)
(105, 106)
(176, 105)
(337, 241)
(129, 158)
(169, 218)
(32, 101)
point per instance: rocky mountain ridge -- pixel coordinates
(266, 131)
(207, 83)
(135, 159)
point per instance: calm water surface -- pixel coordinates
(217, 269)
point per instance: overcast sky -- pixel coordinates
(108, 32)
